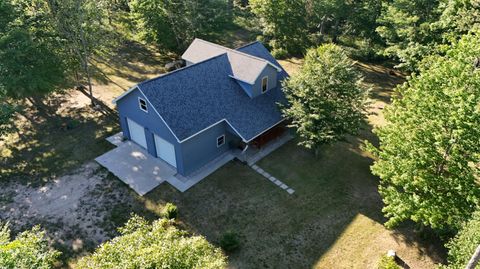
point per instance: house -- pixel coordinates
(222, 100)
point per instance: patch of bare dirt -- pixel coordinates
(72, 208)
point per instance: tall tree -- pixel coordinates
(458, 17)
(326, 101)
(156, 245)
(28, 250)
(284, 24)
(173, 24)
(29, 65)
(429, 150)
(405, 27)
(85, 33)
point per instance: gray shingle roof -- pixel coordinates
(195, 97)
(245, 67)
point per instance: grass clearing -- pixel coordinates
(333, 220)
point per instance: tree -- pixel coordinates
(173, 24)
(326, 101)
(28, 69)
(28, 250)
(156, 245)
(458, 17)
(429, 149)
(82, 26)
(463, 245)
(29, 65)
(405, 25)
(284, 24)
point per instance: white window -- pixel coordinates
(264, 84)
(220, 141)
(142, 104)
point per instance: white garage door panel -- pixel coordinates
(137, 133)
(165, 151)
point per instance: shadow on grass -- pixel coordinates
(48, 146)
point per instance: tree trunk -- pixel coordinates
(474, 260)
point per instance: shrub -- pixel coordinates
(279, 53)
(462, 247)
(170, 211)
(28, 250)
(230, 241)
(156, 245)
(388, 262)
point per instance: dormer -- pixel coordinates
(265, 80)
(255, 75)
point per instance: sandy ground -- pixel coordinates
(72, 208)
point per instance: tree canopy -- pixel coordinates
(28, 250)
(429, 150)
(462, 247)
(173, 24)
(326, 101)
(156, 245)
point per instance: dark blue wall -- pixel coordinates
(191, 154)
(269, 71)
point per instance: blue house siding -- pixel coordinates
(269, 72)
(202, 148)
(128, 108)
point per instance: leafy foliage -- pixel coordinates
(405, 27)
(292, 26)
(326, 99)
(170, 211)
(7, 112)
(429, 150)
(173, 24)
(28, 250)
(230, 241)
(388, 262)
(27, 68)
(462, 247)
(156, 245)
(29, 65)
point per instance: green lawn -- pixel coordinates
(333, 220)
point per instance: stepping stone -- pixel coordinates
(254, 166)
(272, 178)
(283, 186)
(290, 191)
(260, 170)
(278, 182)
(265, 174)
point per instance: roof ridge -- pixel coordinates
(249, 44)
(181, 69)
(234, 50)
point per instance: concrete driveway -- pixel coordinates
(134, 166)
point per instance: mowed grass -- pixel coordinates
(334, 218)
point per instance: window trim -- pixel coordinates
(223, 142)
(140, 104)
(266, 86)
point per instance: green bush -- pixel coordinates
(388, 262)
(462, 247)
(28, 250)
(170, 211)
(279, 53)
(156, 245)
(230, 241)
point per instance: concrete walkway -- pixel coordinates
(272, 178)
(143, 172)
(134, 166)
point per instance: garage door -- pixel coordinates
(165, 151)
(137, 133)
